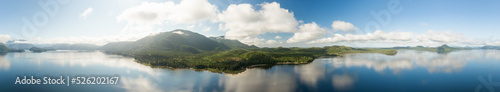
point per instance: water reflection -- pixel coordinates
(140, 84)
(311, 73)
(351, 72)
(84, 59)
(343, 81)
(409, 59)
(4, 63)
(259, 80)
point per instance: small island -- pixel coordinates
(38, 50)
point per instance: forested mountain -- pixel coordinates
(179, 41)
(3, 48)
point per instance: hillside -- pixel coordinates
(231, 44)
(490, 47)
(179, 41)
(15, 45)
(3, 48)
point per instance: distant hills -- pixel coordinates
(490, 47)
(74, 47)
(441, 49)
(19, 44)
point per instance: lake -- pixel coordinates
(408, 70)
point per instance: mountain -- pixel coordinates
(177, 41)
(74, 47)
(3, 48)
(36, 49)
(490, 47)
(19, 44)
(118, 46)
(231, 44)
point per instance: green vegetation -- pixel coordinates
(340, 50)
(186, 49)
(235, 61)
(36, 49)
(16, 50)
(3, 49)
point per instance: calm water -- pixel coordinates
(407, 71)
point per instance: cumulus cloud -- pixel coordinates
(242, 21)
(307, 32)
(493, 43)
(271, 42)
(4, 38)
(343, 26)
(186, 12)
(277, 37)
(86, 13)
(400, 37)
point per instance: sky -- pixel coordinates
(264, 23)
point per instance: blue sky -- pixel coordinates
(419, 22)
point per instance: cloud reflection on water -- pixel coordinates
(410, 59)
(85, 59)
(277, 79)
(4, 63)
(259, 80)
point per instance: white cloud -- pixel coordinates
(343, 26)
(493, 43)
(431, 37)
(242, 21)
(86, 13)
(191, 27)
(271, 42)
(307, 32)
(186, 12)
(252, 40)
(277, 37)
(207, 29)
(4, 38)
(178, 32)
